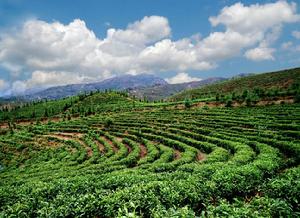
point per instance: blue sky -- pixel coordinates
(173, 39)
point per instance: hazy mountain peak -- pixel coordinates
(116, 83)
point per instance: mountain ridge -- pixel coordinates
(163, 91)
(267, 81)
(116, 83)
(143, 86)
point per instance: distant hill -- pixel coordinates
(272, 80)
(158, 92)
(83, 104)
(142, 86)
(116, 83)
(108, 101)
(10, 102)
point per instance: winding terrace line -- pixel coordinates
(200, 156)
(76, 137)
(114, 148)
(177, 154)
(127, 146)
(143, 151)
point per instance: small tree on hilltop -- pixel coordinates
(248, 102)
(10, 126)
(217, 97)
(245, 94)
(46, 114)
(108, 122)
(228, 103)
(297, 97)
(187, 103)
(233, 96)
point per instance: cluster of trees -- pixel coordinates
(187, 103)
(228, 99)
(253, 96)
(49, 108)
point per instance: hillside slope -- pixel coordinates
(83, 104)
(116, 83)
(280, 80)
(154, 163)
(159, 92)
(94, 154)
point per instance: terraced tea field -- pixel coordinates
(210, 162)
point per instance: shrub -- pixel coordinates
(108, 122)
(248, 102)
(187, 103)
(228, 103)
(245, 94)
(297, 97)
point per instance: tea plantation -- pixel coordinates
(134, 159)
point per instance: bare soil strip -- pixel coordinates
(200, 156)
(100, 147)
(177, 154)
(119, 139)
(114, 148)
(143, 152)
(74, 136)
(287, 100)
(128, 147)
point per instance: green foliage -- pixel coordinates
(229, 103)
(248, 102)
(147, 161)
(273, 84)
(245, 94)
(233, 96)
(108, 122)
(217, 97)
(297, 97)
(187, 103)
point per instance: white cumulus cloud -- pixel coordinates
(260, 54)
(3, 85)
(41, 79)
(249, 25)
(182, 78)
(148, 30)
(256, 18)
(296, 34)
(47, 54)
(287, 45)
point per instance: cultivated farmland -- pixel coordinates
(153, 160)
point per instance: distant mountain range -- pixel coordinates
(146, 86)
(153, 88)
(270, 81)
(158, 92)
(117, 83)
